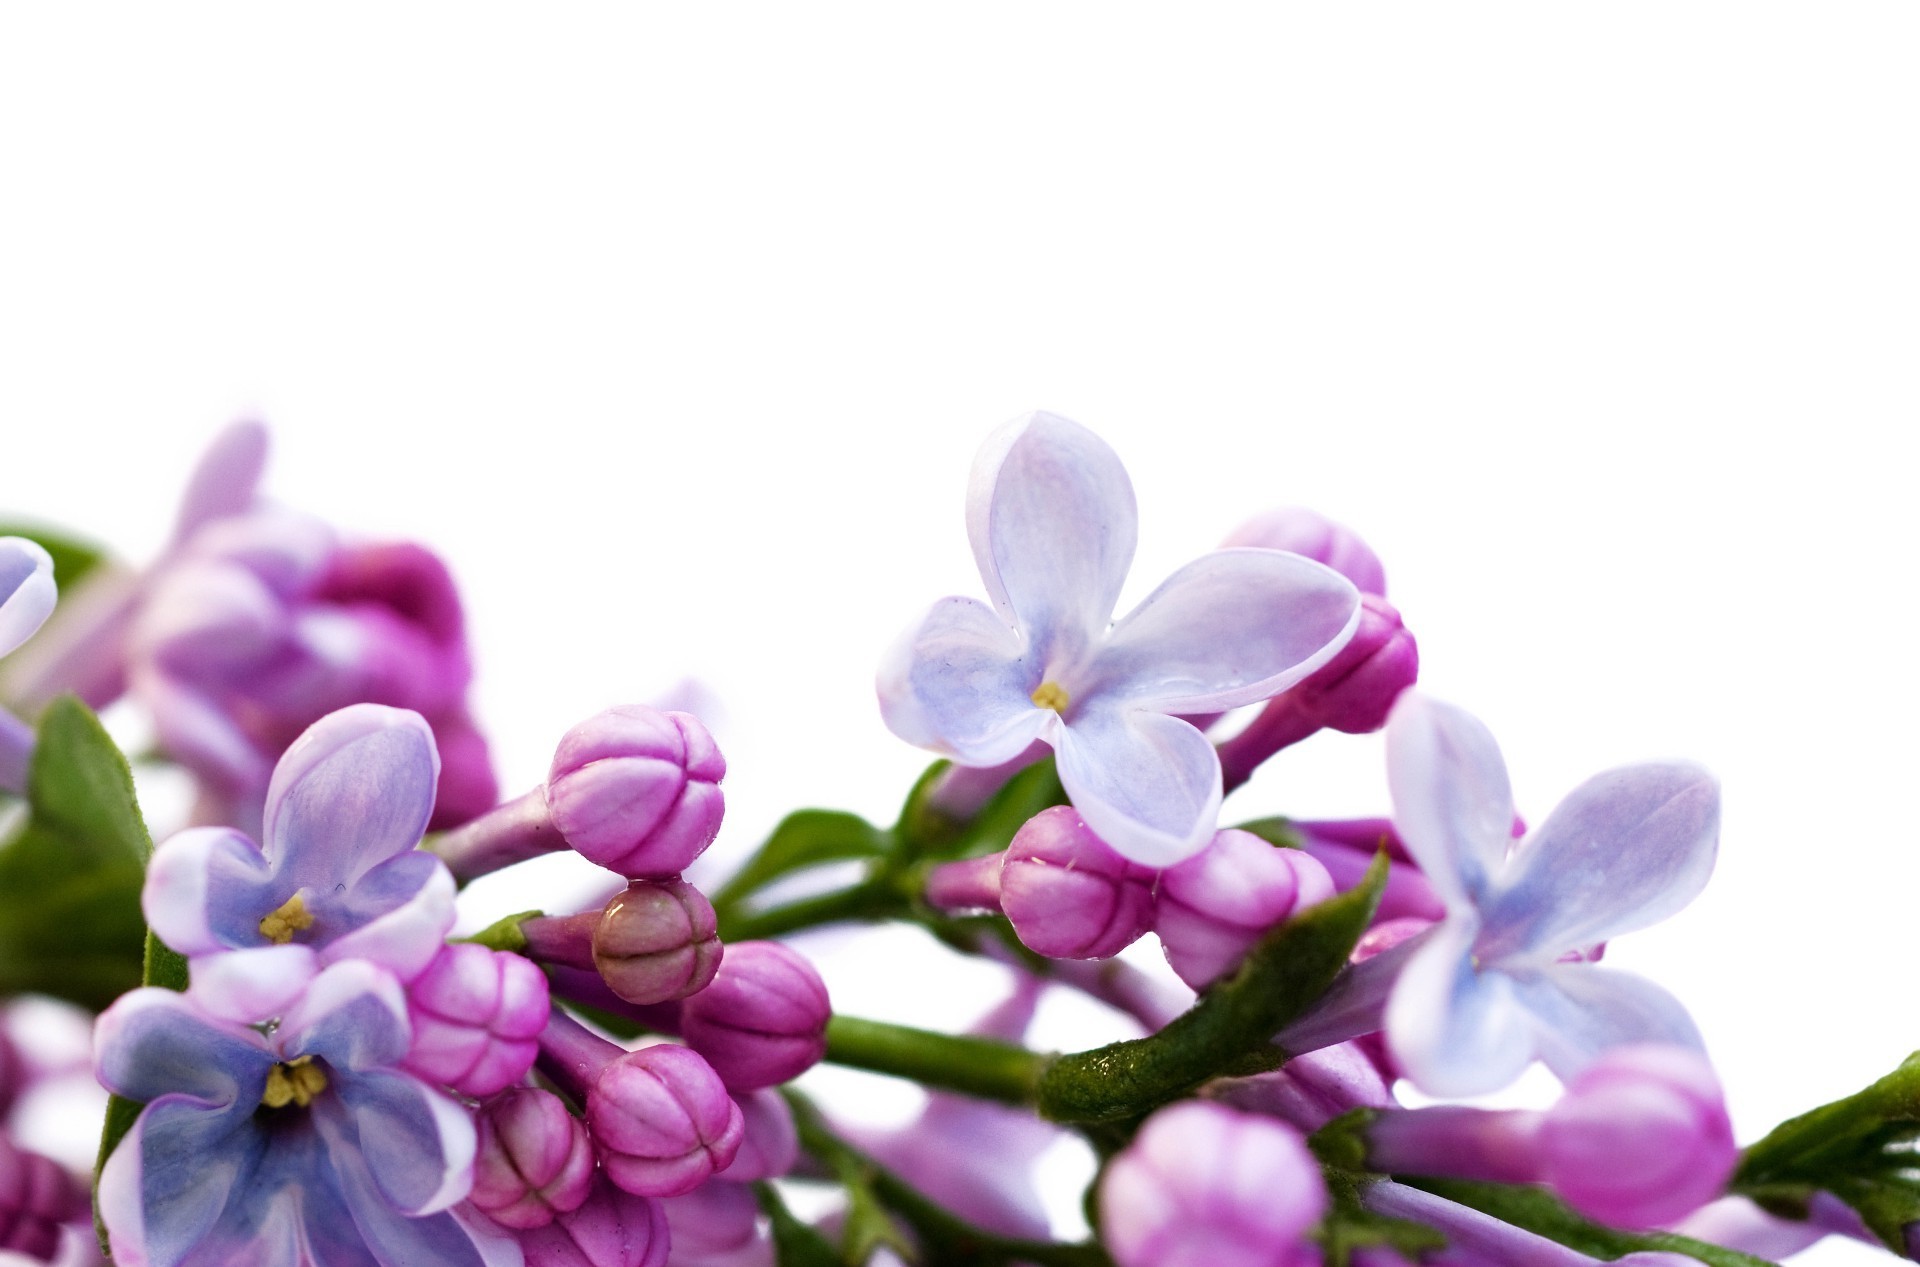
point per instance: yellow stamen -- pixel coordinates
(291, 917)
(295, 1082)
(1050, 695)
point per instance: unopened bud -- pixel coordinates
(637, 790)
(1068, 894)
(1216, 905)
(477, 1016)
(763, 1021)
(534, 1159)
(1301, 531)
(771, 1144)
(662, 1121)
(657, 941)
(36, 1197)
(1354, 691)
(610, 1229)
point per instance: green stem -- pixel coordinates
(979, 1067)
(870, 900)
(946, 1238)
(504, 934)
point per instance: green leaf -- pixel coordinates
(804, 838)
(1229, 1029)
(1544, 1214)
(1861, 1148)
(927, 832)
(72, 558)
(795, 1244)
(75, 930)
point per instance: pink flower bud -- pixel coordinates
(1302, 531)
(662, 1121)
(1205, 1184)
(534, 1159)
(657, 941)
(36, 1197)
(716, 1219)
(771, 1144)
(1354, 691)
(1068, 894)
(1214, 906)
(1640, 1138)
(611, 1229)
(763, 1021)
(477, 1016)
(637, 790)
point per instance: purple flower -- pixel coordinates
(611, 1229)
(281, 1140)
(1487, 991)
(1051, 518)
(1203, 1185)
(1310, 533)
(1068, 894)
(534, 1159)
(338, 873)
(36, 1198)
(26, 600)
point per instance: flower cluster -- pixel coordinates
(311, 1068)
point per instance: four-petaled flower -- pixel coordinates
(1501, 979)
(1051, 516)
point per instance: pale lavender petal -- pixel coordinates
(397, 915)
(1051, 515)
(27, 593)
(1229, 628)
(207, 889)
(417, 1143)
(353, 791)
(1456, 1031)
(196, 731)
(210, 620)
(173, 1175)
(1311, 533)
(961, 684)
(354, 1016)
(286, 549)
(1147, 784)
(1452, 804)
(1579, 1011)
(1626, 849)
(251, 985)
(225, 480)
(154, 1042)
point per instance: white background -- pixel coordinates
(675, 329)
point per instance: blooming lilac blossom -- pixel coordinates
(763, 1021)
(1052, 521)
(1212, 908)
(337, 874)
(477, 1016)
(1068, 894)
(286, 1139)
(1203, 1185)
(533, 1159)
(1487, 991)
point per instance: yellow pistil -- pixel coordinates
(291, 917)
(295, 1082)
(1050, 695)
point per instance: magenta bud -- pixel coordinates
(771, 1144)
(763, 1021)
(477, 1016)
(717, 1219)
(662, 1121)
(1640, 1138)
(1214, 906)
(1068, 894)
(1354, 691)
(637, 790)
(36, 1197)
(534, 1159)
(1203, 1183)
(657, 941)
(1301, 531)
(610, 1229)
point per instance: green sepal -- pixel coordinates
(75, 868)
(1860, 1148)
(72, 557)
(1278, 832)
(927, 834)
(804, 838)
(795, 1244)
(1230, 1029)
(1540, 1212)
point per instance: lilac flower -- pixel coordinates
(1051, 518)
(280, 1140)
(1487, 990)
(534, 1159)
(26, 600)
(338, 873)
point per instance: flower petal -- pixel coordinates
(1454, 1030)
(173, 1175)
(1579, 1011)
(393, 1237)
(418, 1144)
(961, 684)
(1625, 850)
(353, 791)
(1147, 784)
(194, 730)
(1452, 804)
(207, 889)
(397, 915)
(224, 481)
(154, 1042)
(1229, 628)
(252, 985)
(1051, 515)
(27, 593)
(354, 1016)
